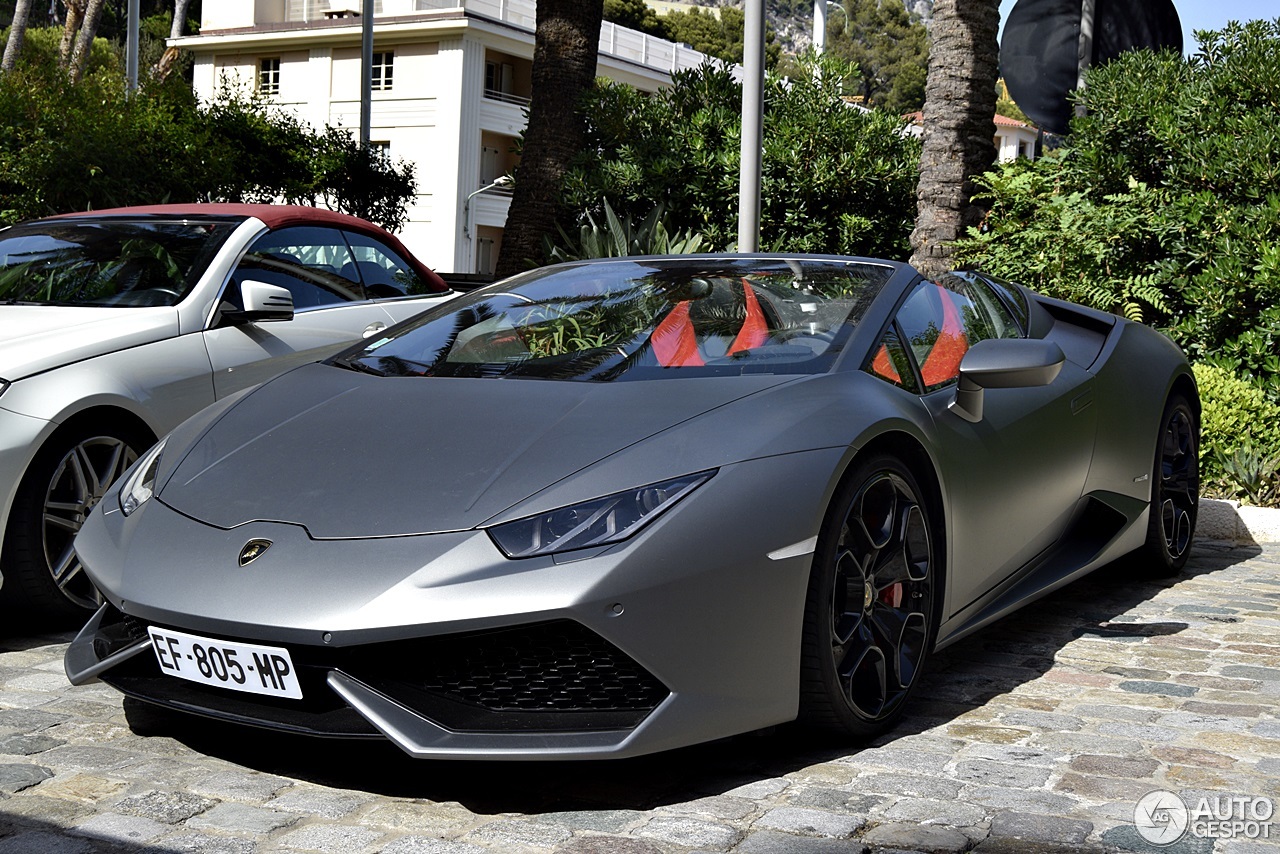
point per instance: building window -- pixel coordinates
(382, 70)
(269, 76)
(1022, 148)
(381, 145)
(499, 83)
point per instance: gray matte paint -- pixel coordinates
(375, 464)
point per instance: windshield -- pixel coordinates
(637, 319)
(106, 262)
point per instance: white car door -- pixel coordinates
(331, 306)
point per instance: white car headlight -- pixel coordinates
(598, 522)
(141, 482)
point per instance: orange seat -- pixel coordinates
(675, 341)
(943, 361)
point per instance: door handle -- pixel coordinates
(373, 328)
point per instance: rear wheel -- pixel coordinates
(1175, 489)
(67, 478)
(869, 614)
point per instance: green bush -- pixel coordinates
(617, 237)
(68, 147)
(1164, 203)
(835, 179)
(1239, 437)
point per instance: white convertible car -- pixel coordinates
(117, 325)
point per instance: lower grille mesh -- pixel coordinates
(558, 666)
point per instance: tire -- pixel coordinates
(870, 615)
(1175, 490)
(66, 479)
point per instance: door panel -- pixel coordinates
(246, 355)
(1015, 477)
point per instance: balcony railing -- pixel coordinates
(506, 97)
(615, 41)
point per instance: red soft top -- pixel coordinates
(274, 216)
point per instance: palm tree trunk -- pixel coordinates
(84, 41)
(17, 32)
(75, 15)
(566, 43)
(179, 18)
(959, 127)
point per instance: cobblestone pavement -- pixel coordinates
(1038, 734)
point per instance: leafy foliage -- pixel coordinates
(835, 179)
(617, 237)
(890, 48)
(637, 15)
(67, 147)
(718, 33)
(1239, 437)
(1164, 203)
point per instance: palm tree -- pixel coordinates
(84, 40)
(959, 126)
(71, 26)
(179, 26)
(17, 32)
(566, 43)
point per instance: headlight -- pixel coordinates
(141, 482)
(4, 384)
(593, 523)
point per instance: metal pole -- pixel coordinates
(752, 128)
(131, 48)
(366, 71)
(819, 26)
(1085, 55)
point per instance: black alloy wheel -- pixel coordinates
(65, 481)
(1175, 489)
(869, 616)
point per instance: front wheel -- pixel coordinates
(869, 614)
(1175, 490)
(66, 479)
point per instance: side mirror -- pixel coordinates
(1004, 363)
(262, 302)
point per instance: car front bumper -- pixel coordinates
(687, 633)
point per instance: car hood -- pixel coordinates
(349, 455)
(37, 338)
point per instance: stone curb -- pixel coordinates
(1231, 522)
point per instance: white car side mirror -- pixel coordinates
(264, 302)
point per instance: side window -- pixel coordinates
(890, 362)
(932, 322)
(384, 272)
(941, 320)
(1004, 298)
(315, 264)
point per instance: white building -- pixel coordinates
(1014, 139)
(451, 81)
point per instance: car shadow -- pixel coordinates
(20, 637)
(963, 677)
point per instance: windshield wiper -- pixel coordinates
(358, 366)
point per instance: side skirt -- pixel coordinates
(1094, 537)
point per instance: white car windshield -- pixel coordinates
(106, 262)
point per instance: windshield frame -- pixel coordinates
(778, 283)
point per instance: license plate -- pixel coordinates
(226, 664)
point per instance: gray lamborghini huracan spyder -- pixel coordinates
(607, 508)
